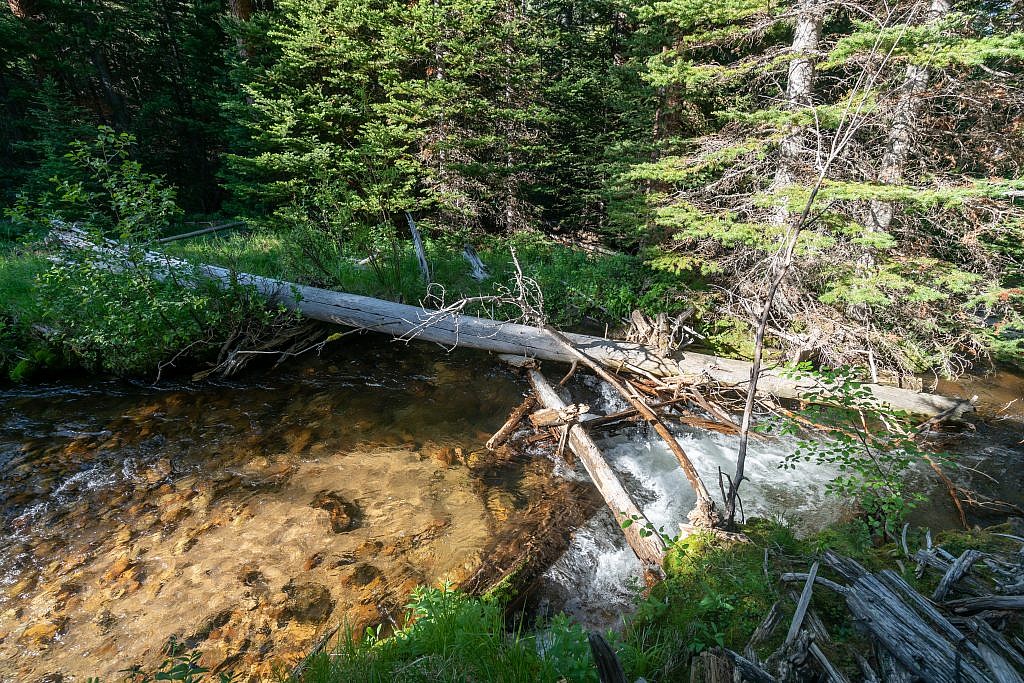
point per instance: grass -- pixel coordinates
(19, 267)
(575, 284)
(451, 637)
(23, 347)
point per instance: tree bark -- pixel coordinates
(23, 9)
(904, 122)
(412, 322)
(242, 11)
(799, 94)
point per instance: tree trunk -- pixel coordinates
(901, 135)
(242, 11)
(650, 549)
(412, 322)
(118, 112)
(23, 9)
(799, 94)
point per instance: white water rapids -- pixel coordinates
(595, 579)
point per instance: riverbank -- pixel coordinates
(716, 595)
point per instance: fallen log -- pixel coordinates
(704, 514)
(407, 322)
(650, 548)
(196, 233)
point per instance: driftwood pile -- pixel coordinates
(961, 632)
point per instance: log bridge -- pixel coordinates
(406, 323)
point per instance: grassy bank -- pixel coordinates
(716, 593)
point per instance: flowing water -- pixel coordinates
(247, 518)
(597, 579)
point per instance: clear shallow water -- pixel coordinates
(248, 518)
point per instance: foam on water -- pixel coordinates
(594, 578)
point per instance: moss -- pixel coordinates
(508, 588)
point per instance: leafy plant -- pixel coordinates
(567, 650)
(104, 190)
(648, 529)
(872, 446)
(178, 665)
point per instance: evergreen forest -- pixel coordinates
(646, 156)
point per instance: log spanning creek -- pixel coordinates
(248, 518)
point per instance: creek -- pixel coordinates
(245, 518)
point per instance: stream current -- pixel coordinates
(247, 518)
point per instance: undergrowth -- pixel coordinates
(456, 638)
(576, 285)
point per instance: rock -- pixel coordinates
(105, 620)
(313, 561)
(299, 441)
(186, 484)
(479, 459)
(23, 586)
(501, 505)
(307, 603)
(342, 560)
(145, 521)
(363, 574)
(173, 512)
(40, 633)
(159, 471)
(119, 567)
(253, 578)
(343, 514)
(446, 455)
(257, 465)
(210, 624)
(185, 543)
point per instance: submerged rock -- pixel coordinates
(40, 633)
(309, 602)
(343, 514)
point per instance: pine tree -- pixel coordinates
(750, 145)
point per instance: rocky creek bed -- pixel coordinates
(246, 519)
